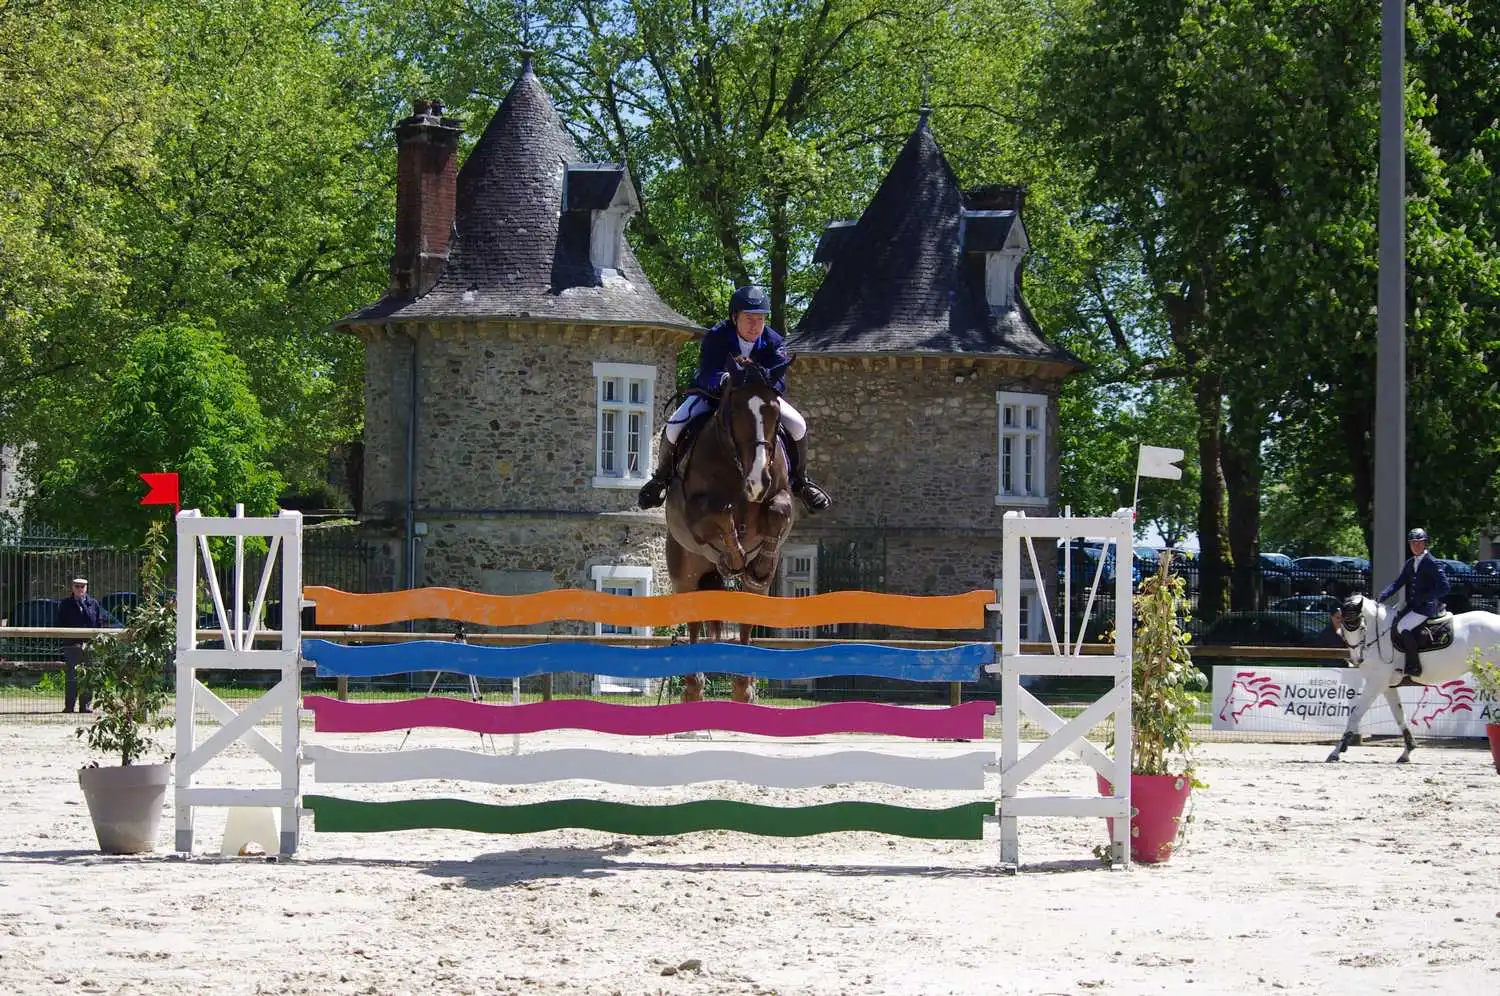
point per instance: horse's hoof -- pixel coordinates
(1334, 758)
(1403, 759)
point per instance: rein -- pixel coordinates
(1366, 642)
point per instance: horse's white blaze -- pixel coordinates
(758, 477)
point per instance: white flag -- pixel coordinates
(1159, 461)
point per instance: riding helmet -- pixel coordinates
(1417, 534)
(751, 300)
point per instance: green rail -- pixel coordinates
(334, 815)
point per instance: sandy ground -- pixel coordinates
(1298, 877)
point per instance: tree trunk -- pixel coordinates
(1242, 478)
(779, 241)
(1213, 587)
(1355, 423)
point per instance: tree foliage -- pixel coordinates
(180, 401)
(126, 672)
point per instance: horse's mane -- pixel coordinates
(753, 375)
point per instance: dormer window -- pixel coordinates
(1001, 237)
(604, 193)
(836, 235)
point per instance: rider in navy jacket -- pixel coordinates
(722, 343)
(1426, 583)
(744, 334)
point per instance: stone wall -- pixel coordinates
(912, 441)
(507, 418)
(521, 554)
(911, 445)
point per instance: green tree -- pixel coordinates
(180, 401)
(81, 94)
(1236, 144)
(259, 199)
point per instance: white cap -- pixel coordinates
(80, 580)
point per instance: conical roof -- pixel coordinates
(898, 282)
(515, 252)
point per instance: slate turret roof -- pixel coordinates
(898, 280)
(515, 251)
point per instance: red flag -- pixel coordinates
(163, 491)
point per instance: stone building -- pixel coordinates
(516, 365)
(930, 391)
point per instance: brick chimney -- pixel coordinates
(426, 184)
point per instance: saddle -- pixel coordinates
(1434, 634)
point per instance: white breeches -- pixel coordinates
(1411, 621)
(796, 425)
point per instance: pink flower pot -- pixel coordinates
(1156, 805)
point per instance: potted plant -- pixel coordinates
(127, 673)
(1163, 678)
(1486, 675)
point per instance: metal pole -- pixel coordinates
(1390, 366)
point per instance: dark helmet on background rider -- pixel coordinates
(1417, 534)
(751, 300)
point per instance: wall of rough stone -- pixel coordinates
(507, 417)
(912, 441)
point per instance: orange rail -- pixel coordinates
(964, 612)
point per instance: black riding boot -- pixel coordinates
(814, 497)
(654, 491)
(1413, 664)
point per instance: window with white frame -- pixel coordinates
(633, 582)
(1033, 628)
(1023, 449)
(799, 579)
(624, 395)
(613, 580)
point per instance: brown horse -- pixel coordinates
(729, 506)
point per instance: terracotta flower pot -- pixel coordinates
(1492, 730)
(1156, 805)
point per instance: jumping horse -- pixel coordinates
(729, 504)
(1365, 627)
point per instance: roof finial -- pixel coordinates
(926, 109)
(526, 55)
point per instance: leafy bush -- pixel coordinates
(126, 671)
(1163, 677)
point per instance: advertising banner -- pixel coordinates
(1320, 700)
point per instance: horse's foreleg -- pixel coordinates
(1393, 697)
(743, 689)
(1373, 687)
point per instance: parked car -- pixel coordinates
(1280, 576)
(1325, 604)
(120, 604)
(32, 612)
(1341, 576)
(1270, 629)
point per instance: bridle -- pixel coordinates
(724, 427)
(1365, 640)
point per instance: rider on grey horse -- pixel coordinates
(1426, 583)
(744, 334)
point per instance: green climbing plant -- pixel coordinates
(1484, 669)
(1163, 677)
(127, 671)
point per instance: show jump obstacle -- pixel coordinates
(963, 771)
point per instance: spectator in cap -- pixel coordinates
(80, 610)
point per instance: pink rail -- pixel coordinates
(961, 722)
